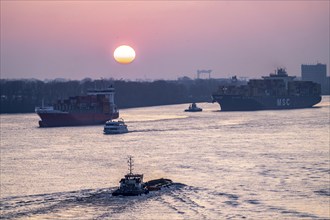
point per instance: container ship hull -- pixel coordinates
(253, 103)
(74, 119)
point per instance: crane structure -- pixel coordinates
(199, 72)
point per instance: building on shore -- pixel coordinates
(316, 73)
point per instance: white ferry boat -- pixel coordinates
(115, 127)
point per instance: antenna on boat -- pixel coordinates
(130, 164)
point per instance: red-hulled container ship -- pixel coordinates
(96, 107)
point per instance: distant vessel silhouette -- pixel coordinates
(276, 91)
(96, 107)
(193, 108)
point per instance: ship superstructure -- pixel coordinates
(131, 184)
(276, 91)
(96, 107)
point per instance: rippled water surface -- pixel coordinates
(225, 165)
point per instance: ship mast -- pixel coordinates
(130, 164)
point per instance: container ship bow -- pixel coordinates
(276, 91)
(94, 108)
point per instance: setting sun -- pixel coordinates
(124, 54)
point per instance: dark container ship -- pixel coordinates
(276, 91)
(96, 107)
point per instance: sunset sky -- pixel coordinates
(76, 39)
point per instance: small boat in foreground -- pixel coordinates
(193, 108)
(157, 184)
(133, 185)
(115, 127)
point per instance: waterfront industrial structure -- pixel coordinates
(316, 73)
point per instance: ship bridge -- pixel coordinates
(280, 73)
(109, 93)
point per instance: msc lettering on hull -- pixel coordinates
(283, 102)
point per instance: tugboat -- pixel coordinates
(193, 108)
(115, 127)
(133, 185)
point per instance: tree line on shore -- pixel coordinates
(22, 96)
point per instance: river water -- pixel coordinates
(225, 165)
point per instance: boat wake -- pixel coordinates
(70, 204)
(153, 130)
(178, 201)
